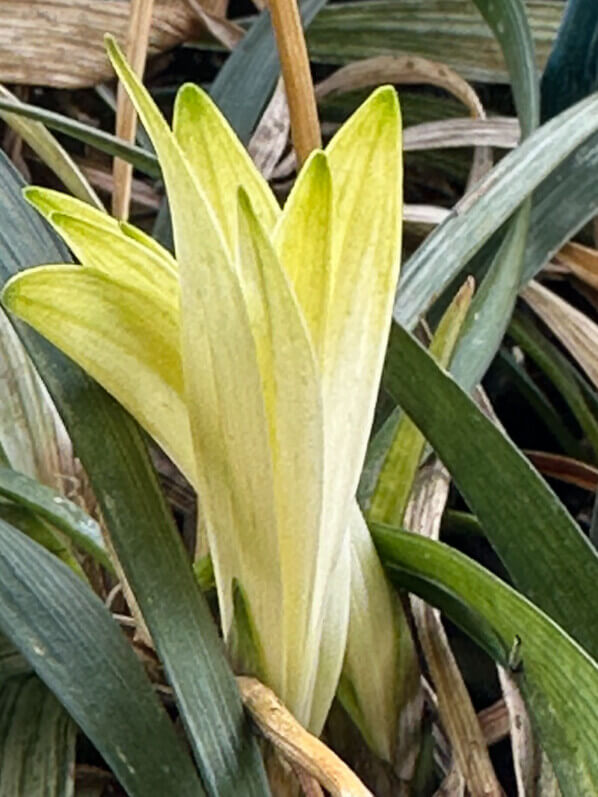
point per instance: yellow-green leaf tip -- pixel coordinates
(115, 54)
(191, 91)
(10, 292)
(317, 163)
(384, 98)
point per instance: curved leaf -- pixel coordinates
(545, 552)
(558, 678)
(142, 531)
(444, 253)
(37, 741)
(66, 516)
(77, 649)
(131, 347)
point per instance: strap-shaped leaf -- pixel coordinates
(74, 522)
(371, 686)
(366, 168)
(220, 162)
(48, 201)
(406, 446)
(37, 741)
(335, 627)
(544, 551)
(149, 243)
(303, 240)
(118, 256)
(75, 646)
(126, 339)
(291, 386)
(234, 468)
(57, 207)
(558, 678)
(143, 534)
(493, 304)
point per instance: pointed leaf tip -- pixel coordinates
(317, 162)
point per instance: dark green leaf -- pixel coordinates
(146, 541)
(77, 649)
(37, 741)
(561, 372)
(78, 526)
(559, 680)
(572, 69)
(541, 546)
(145, 161)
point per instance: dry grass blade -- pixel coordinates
(405, 69)
(572, 327)
(425, 214)
(582, 261)
(411, 69)
(270, 137)
(566, 469)
(527, 755)
(51, 152)
(453, 785)
(228, 33)
(501, 132)
(456, 711)
(140, 21)
(60, 42)
(295, 744)
(494, 722)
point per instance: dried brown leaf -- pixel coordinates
(457, 713)
(582, 261)
(228, 33)
(270, 137)
(59, 43)
(574, 329)
(566, 469)
(295, 744)
(501, 132)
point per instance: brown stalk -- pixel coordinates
(302, 750)
(456, 711)
(294, 62)
(126, 118)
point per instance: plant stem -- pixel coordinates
(294, 62)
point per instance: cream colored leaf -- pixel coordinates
(333, 640)
(121, 336)
(219, 161)
(47, 201)
(118, 256)
(291, 387)
(223, 389)
(149, 243)
(303, 240)
(366, 167)
(372, 668)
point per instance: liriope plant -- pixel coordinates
(253, 358)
